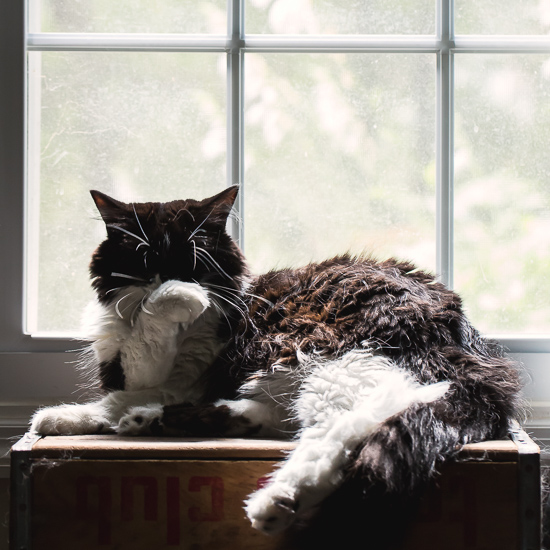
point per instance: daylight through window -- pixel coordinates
(415, 129)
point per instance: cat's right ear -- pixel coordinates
(110, 209)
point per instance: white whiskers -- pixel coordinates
(207, 257)
(116, 305)
(199, 226)
(125, 276)
(139, 223)
(145, 243)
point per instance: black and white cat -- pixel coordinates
(371, 366)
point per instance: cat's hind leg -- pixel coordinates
(342, 401)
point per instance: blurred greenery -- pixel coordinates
(339, 148)
(502, 16)
(337, 17)
(135, 16)
(336, 153)
(502, 195)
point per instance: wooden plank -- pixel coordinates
(105, 446)
(110, 446)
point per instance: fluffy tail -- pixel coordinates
(407, 449)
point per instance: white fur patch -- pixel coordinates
(341, 402)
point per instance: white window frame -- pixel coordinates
(35, 369)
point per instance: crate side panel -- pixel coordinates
(146, 504)
(473, 506)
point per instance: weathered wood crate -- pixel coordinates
(105, 492)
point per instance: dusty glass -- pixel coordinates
(339, 156)
(502, 17)
(128, 16)
(502, 196)
(140, 126)
(337, 17)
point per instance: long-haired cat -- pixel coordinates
(371, 366)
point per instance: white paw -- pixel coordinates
(70, 420)
(140, 421)
(272, 509)
(178, 302)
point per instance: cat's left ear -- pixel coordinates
(110, 209)
(222, 203)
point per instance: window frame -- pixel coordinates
(37, 369)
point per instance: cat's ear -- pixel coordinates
(110, 209)
(222, 203)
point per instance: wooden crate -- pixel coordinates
(106, 492)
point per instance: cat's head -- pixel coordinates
(155, 242)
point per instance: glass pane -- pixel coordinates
(339, 156)
(502, 202)
(133, 16)
(336, 17)
(502, 17)
(140, 126)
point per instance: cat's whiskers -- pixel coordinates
(194, 255)
(230, 302)
(116, 305)
(214, 263)
(220, 309)
(113, 290)
(113, 226)
(143, 308)
(205, 260)
(139, 223)
(176, 216)
(231, 291)
(125, 276)
(138, 306)
(199, 226)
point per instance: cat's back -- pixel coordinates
(345, 277)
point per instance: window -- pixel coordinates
(413, 129)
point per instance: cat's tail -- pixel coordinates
(407, 449)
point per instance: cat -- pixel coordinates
(370, 365)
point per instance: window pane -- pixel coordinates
(502, 202)
(336, 17)
(121, 16)
(142, 126)
(502, 17)
(339, 155)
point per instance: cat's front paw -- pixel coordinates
(178, 302)
(70, 420)
(272, 509)
(142, 421)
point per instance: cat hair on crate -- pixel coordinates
(371, 366)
